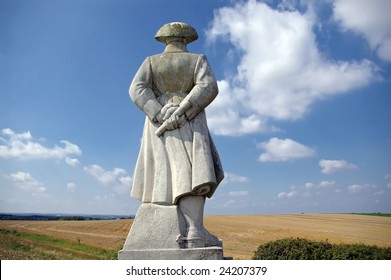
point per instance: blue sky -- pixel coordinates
(302, 120)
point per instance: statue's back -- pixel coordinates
(173, 71)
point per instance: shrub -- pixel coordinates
(303, 249)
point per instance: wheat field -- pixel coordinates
(241, 234)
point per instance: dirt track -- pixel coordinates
(241, 234)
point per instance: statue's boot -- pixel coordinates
(192, 208)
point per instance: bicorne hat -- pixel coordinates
(176, 29)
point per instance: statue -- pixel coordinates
(178, 164)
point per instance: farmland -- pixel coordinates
(241, 234)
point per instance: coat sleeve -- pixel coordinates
(205, 88)
(141, 92)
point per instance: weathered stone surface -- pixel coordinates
(207, 253)
(178, 166)
(177, 154)
(154, 236)
(155, 227)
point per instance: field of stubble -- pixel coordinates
(241, 235)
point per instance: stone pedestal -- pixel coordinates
(207, 253)
(155, 235)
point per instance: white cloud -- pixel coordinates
(238, 193)
(379, 193)
(307, 190)
(389, 186)
(225, 117)
(106, 198)
(283, 150)
(103, 176)
(360, 188)
(74, 162)
(355, 188)
(326, 184)
(116, 179)
(310, 189)
(230, 178)
(369, 18)
(290, 194)
(332, 166)
(280, 72)
(229, 203)
(22, 146)
(328, 196)
(26, 182)
(126, 181)
(71, 187)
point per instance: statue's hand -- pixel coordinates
(175, 122)
(158, 118)
(168, 110)
(169, 113)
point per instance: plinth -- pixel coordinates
(155, 235)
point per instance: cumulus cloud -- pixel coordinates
(230, 178)
(225, 116)
(328, 188)
(323, 184)
(308, 190)
(229, 203)
(287, 194)
(356, 188)
(371, 19)
(326, 196)
(106, 198)
(116, 178)
(103, 176)
(280, 71)
(71, 187)
(332, 166)
(27, 182)
(74, 162)
(379, 193)
(283, 150)
(23, 146)
(238, 193)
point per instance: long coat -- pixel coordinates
(184, 160)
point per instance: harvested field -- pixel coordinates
(241, 234)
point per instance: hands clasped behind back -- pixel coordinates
(173, 116)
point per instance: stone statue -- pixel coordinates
(178, 165)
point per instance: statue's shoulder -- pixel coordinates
(185, 54)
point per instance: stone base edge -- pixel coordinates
(207, 253)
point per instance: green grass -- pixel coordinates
(35, 246)
(303, 249)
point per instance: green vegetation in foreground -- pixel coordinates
(303, 249)
(22, 245)
(374, 214)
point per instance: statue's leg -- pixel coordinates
(192, 208)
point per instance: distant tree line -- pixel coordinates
(43, 217)
(27, 217)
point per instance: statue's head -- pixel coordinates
(176, 31)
